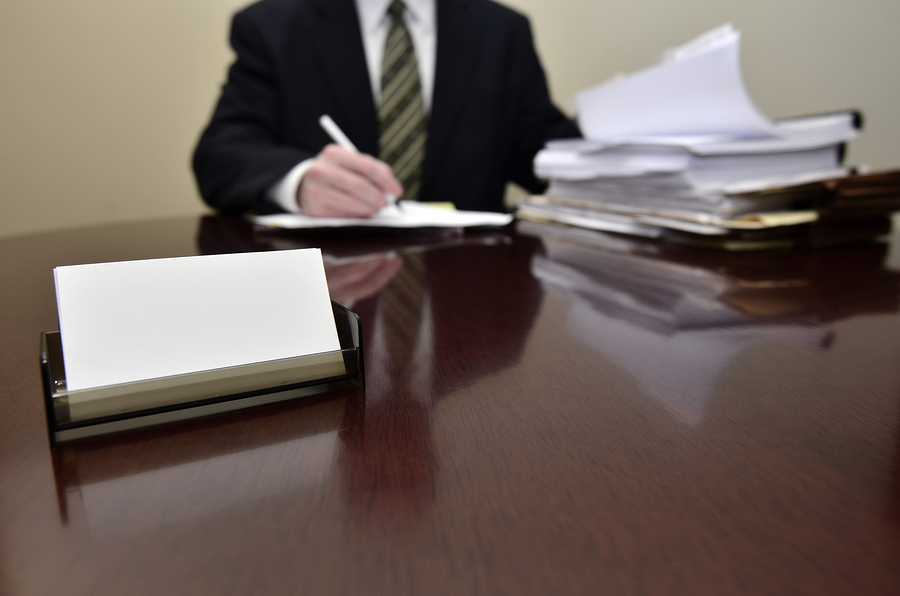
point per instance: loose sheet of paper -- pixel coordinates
(411, 215)
(137, 320)
(697, 90)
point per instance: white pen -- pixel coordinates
(338, 136)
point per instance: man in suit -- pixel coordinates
(484, 96)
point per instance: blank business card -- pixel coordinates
(138, 320)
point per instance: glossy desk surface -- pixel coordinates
(541, 417)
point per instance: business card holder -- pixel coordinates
(85, 413)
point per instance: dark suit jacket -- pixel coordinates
(299, 59)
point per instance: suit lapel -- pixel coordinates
(456, 49)
(334, 28)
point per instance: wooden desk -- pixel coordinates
(541, 418)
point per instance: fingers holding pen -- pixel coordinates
(343, 183)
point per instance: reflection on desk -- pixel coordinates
(674, 318)
(543, 415)
(436, 290)
(141, 480)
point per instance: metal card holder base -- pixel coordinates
(92, 412)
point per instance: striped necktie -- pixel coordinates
(402, 124)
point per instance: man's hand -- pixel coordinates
(342, 183)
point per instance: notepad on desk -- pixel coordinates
(412, 215)
(152, 333)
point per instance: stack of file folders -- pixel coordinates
(680, 152)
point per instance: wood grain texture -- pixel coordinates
(541, 417)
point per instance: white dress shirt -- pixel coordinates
(374, 22)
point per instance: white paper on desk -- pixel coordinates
(137, 320)
(697, 89)
(412, 215)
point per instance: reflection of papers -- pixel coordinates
(647, 297)
(412, 215)
(667, 323)
(340, 253)
(202, 488)
(679, 370)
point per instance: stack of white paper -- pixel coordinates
(684, 137)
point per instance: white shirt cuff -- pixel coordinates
(284, 192)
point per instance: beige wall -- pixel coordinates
(101, 101)
(799, 56)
